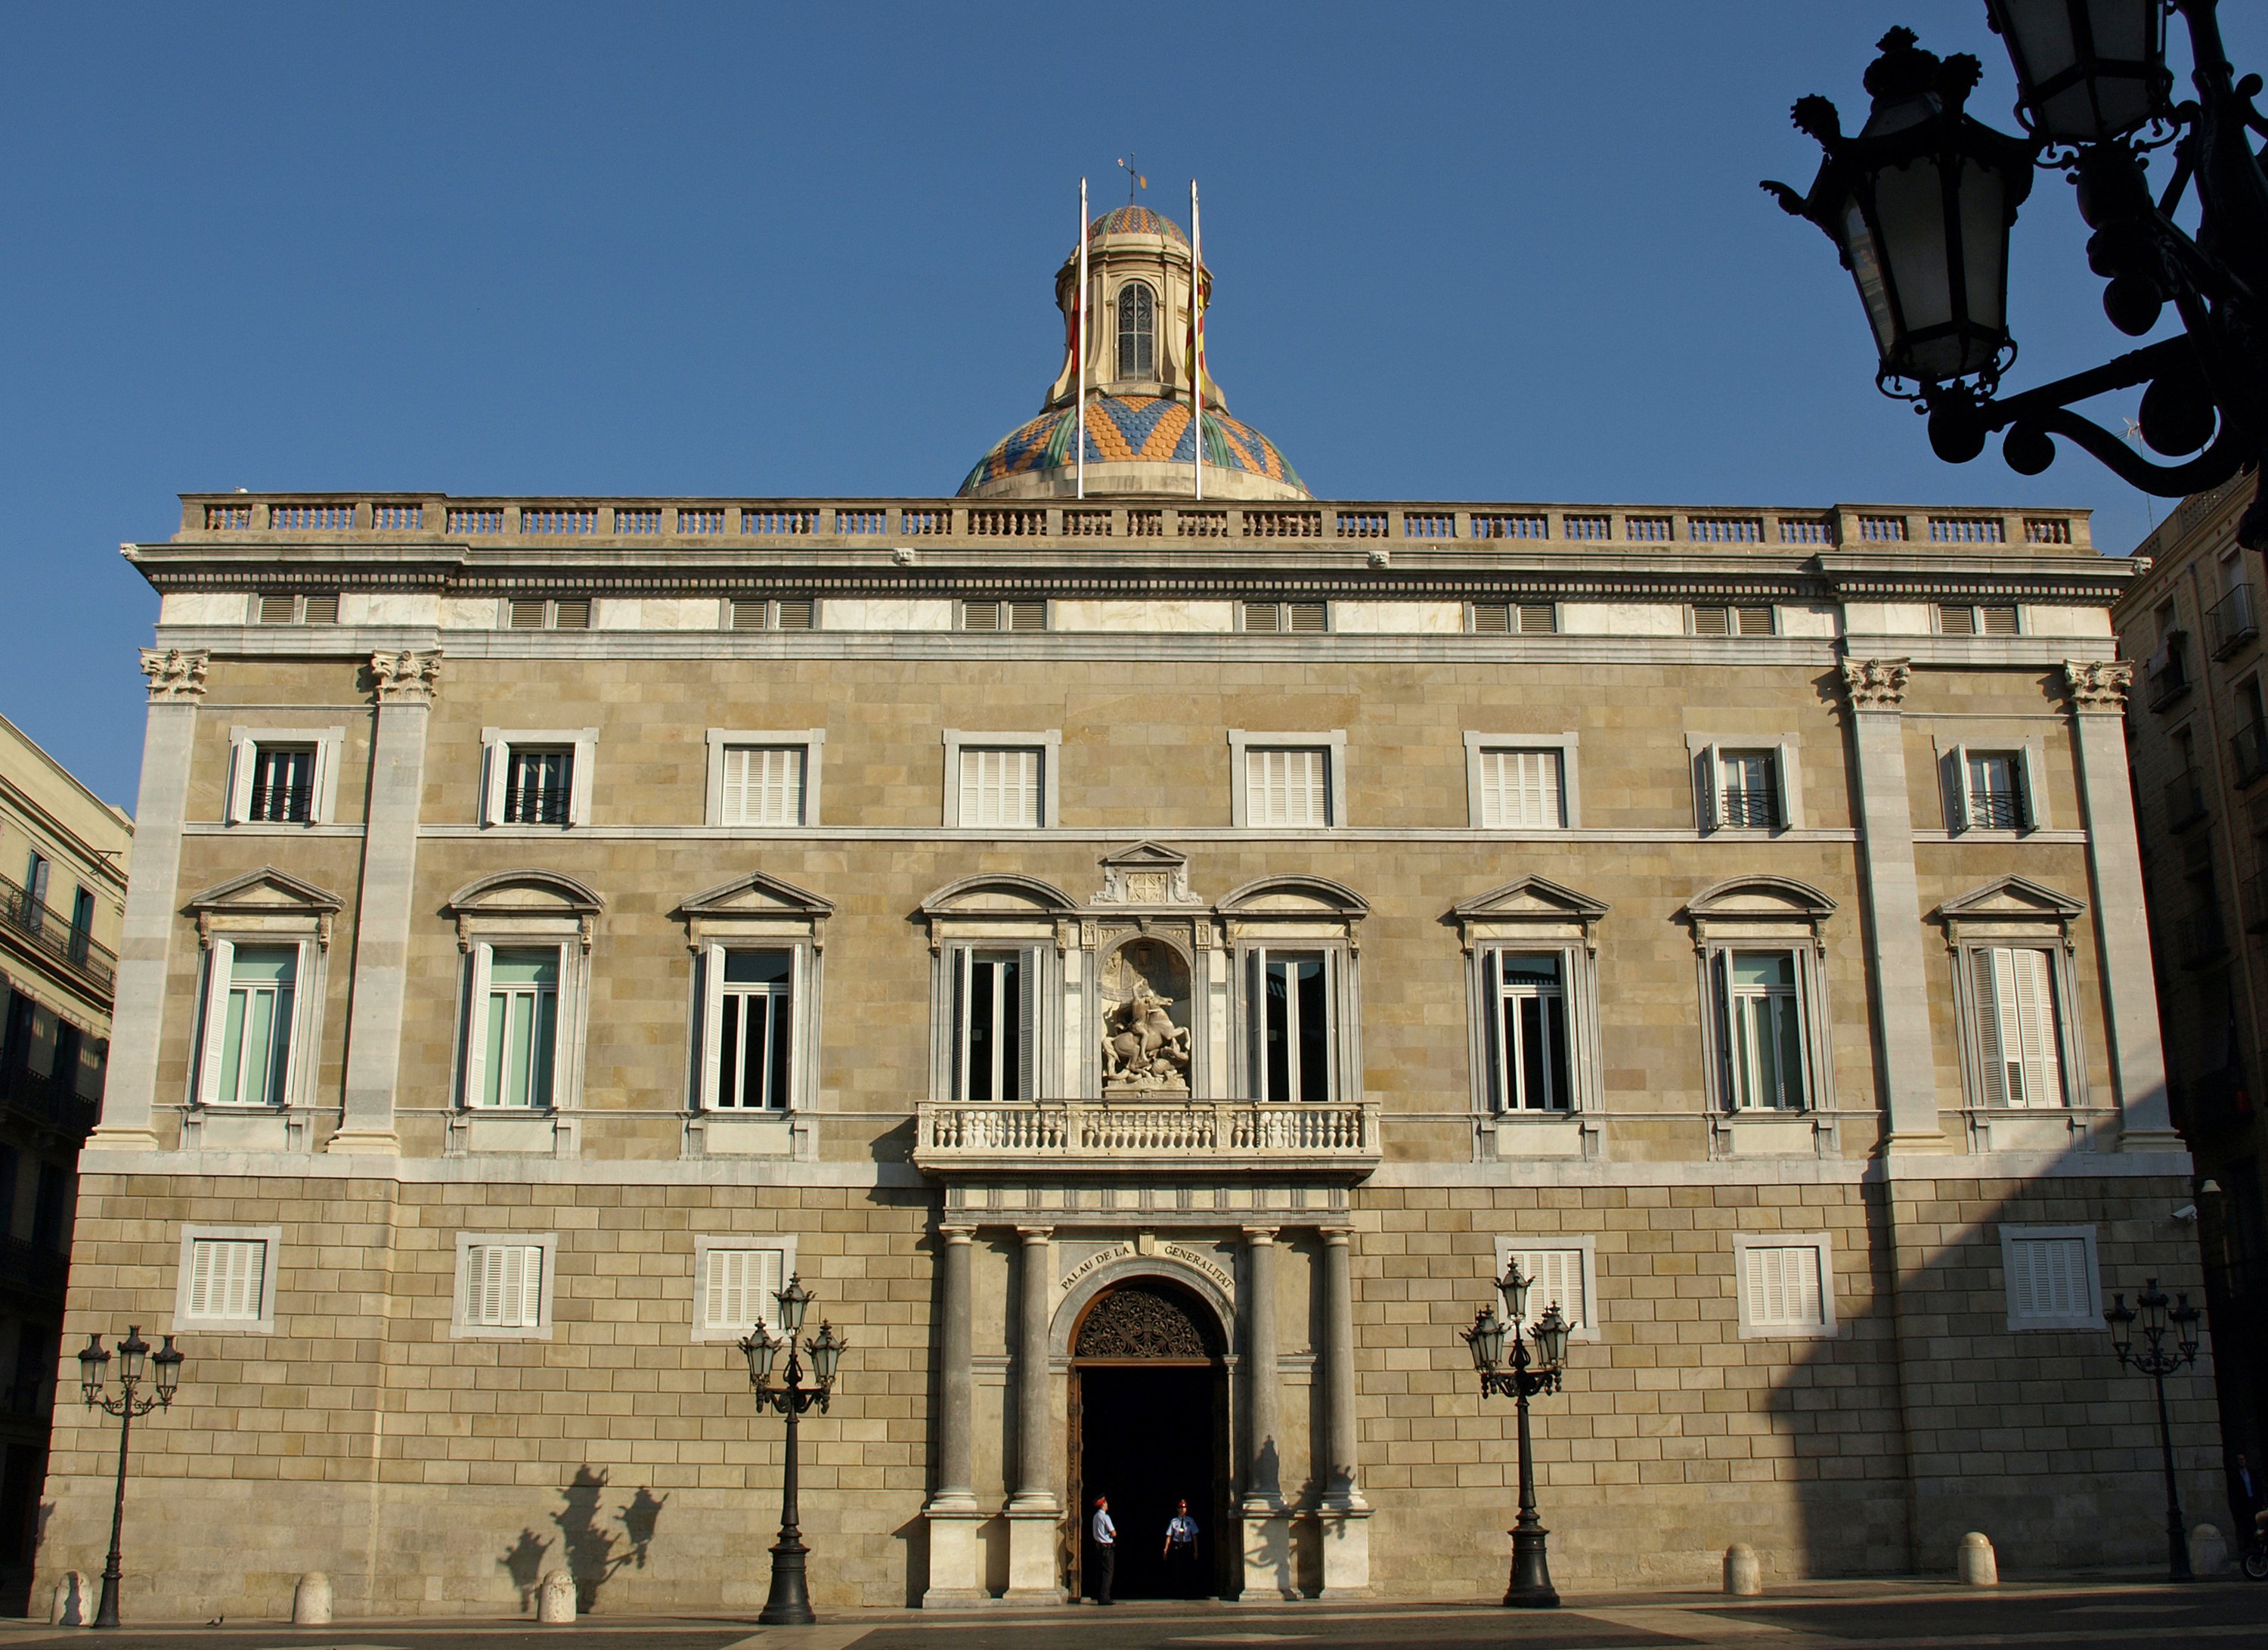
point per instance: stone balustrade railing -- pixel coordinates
(948, 1132)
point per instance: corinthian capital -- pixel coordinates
(2098, 684)
(1876, 684)
(175, 673)
(405, 678)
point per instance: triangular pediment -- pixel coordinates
(756, 894)
(1534, 898)
(265, 890)
(1002, 894)
(1762, 898)
(2013, 897)
(525, 893)
(1145, 857)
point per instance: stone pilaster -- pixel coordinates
(404, 684)
(2121, 926)
(956, 1575)
(1905, 1060)
(1035, 1513)
(1268, 1570)
(129, 1094)
(1345, 1515)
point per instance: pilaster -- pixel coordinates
(1906, 1062)
(956, 1576)
(2122, 926)
(1268, 1568)
(403, 685)
(129, 1096)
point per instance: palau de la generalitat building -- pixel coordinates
(1146, 961)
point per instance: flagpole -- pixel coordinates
(1196, 339)
(1079, 337)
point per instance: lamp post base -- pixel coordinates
(788, 1605)
(1531, 1585)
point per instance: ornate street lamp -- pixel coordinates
(2154, 1359)
(133, 1359)
(1524, 1378)
(1920, 202)
(789, 1603)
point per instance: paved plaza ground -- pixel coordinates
(2224, 1615)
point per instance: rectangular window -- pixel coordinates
(739, 1286)
(539, 783)
(1761, 1011)
(228, 1279)
(1530, 1027)
(755, 1030)
(1995, 783)
(1291, 995)
(2050, 1276)
(36, 870)
(763, 784)
(255, 1054)
(2017, 1031)
(1001, 787)
(1783, 1287)
(1521, 790)
(1748, 789)
(995, 998)
(522, 1021)
(1556, 1279)
(282, 784)
(1287, 787)
(503, 1286)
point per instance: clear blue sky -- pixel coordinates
(1510, 250)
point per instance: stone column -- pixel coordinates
(130, 1093)
(1345, 1516)
(1035, 1513)
(2121, 926)
(955, 1565)
(1268, 1572)
(404, 685)
(1906, 1060)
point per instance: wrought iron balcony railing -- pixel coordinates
(2200, 939)
(2230, 622)
(2255, 902)
(55, 939)
(1755, 806)
(48, 1101)
(33, 1268)
(1057, 1133)
(2169, 672)
(2184, 800)
(2248, 745)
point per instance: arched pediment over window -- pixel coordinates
(1296, 896)
(1000, 894)
(1761, 898)
(526, 892)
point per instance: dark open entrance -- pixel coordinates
(1149, 1402)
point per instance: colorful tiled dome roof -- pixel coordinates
(1129, 428)
(1136, 220)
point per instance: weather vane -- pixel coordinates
(1134, 179)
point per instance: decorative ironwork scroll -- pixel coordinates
(1138, 1322)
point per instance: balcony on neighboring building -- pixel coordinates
(2255, 902)
(2229, 623)
(2168, 673)
(48, 1102)
(2248, 749)
(2200, 939)
(2184, 797)
(33, 1270)
(55, 939)
(1338, 1138)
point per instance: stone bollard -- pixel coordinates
(1974, 1565)
(71, 1607)
(2208, 1550)
(311, 1601)
(1744, 1573)
(555, 1600)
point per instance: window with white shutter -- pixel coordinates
(1787, 1286)
(2050, 1276)
(740, 1286)
(1287, 787)
(763, 784)
(227, 1280)
(501, 1286)
(1521, 790)
(2017, 1036)
(1000, 788)
(1557, 1278)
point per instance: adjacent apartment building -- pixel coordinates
(62, 888)
(1146, 962)
(2200, 739)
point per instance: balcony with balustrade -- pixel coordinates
(1335, 1140)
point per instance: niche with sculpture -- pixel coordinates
(1145, 1039)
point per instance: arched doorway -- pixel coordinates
(1149, 1427)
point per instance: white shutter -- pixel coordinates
(1559, 1276)
(1990, 996)
(531, 1286)
(1028, 1025)
(1704, 787)
(1787, 779)
(582, 757)
(2042, 1072)
(477, 1053)
(958, 987)
(204, 1256)
(740, 1288)
(798, 1048)
(1784, 1286)
(1256, 1022)
(1720, 992)
(2047, 1278)
(220, 965)
(1499, 1054)
(1954, 781)
(243, 757)
(733, 804)
(504, 1286)
(497, 754)
(712, 1022)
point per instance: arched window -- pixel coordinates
(1138, 331)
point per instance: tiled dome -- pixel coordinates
(1129, 428)
(1136, 220)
